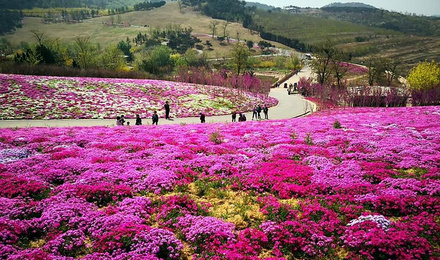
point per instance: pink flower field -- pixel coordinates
(43, 97)
(341, 184)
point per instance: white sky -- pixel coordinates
(421, 7)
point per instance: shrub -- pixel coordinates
(216, 137)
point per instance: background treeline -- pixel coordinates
(230, 10)
(102, 4)
(405, 23)
(293, 43)
(9, 20)
(148, 5)
(144, 53)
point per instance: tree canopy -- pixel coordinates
(424, 76)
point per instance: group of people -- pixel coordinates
(256, 113)
(291, 88)
(241, 117)
(120, 120)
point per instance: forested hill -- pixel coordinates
(260, 6)
(349, 5)
(404, 23)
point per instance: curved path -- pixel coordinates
(289, 106)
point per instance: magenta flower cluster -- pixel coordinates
(288, 189)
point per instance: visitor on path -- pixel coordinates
(266, 112)
(167, 110)
(155, 118)
(202, 118)
(138, 120)
(122, 119)
(242, 118)
(254, 113)
(259, 112)
(128, 123)
(285, 84)
(118, 120)
(234, 115)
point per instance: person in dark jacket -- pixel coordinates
(167, 110)
(202, 118)
(234, 115)
(254, 113)
(266, 112)
(155, 118)
(138, 120)
(259, 112)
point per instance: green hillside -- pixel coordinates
(111, 4)
(140, 22)
(379, 18)
(305, 28)
(313, 30)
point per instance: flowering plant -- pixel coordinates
(285, 189)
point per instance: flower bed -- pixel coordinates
(366, 187)
(39, 97)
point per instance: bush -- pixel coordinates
(216, 137)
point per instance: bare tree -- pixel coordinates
(340, 67)
(84, 52)
(180, 6)
(225, 32)
(375, 69)
(322, 64)
(213, 27)
(392, 69)
(240, 56)
(112, 20)
(39, 36)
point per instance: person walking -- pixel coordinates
(202, 118)
(254, 113)
(155, 118)
(167, 110)
(259, 112)
(266, 112)
(138, 120)
(122, 120)
(118, 120)
(234, 115)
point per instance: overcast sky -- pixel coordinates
(424, 7)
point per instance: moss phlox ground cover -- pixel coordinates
(44, 97)
(288, 189)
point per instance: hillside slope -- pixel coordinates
(140, 21)
(361, 41)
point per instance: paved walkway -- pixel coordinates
(289, 106)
